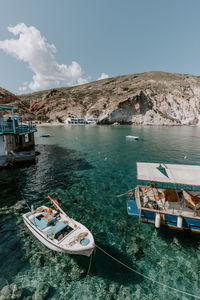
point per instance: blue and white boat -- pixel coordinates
(132, 137)
(45, 135)
(81, 121)
(170, 197)
(57, 231)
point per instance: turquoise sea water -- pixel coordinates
(84, 167)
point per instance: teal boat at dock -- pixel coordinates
(162, 202)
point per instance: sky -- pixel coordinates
(47, 43)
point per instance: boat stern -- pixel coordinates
(132, 208)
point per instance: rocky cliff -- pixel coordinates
(8, 98)
(152, 98)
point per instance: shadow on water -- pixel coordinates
(55, 166)
(106, 267)
(186, 239)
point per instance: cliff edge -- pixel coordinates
(150, 98)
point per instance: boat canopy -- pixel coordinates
(169, 173)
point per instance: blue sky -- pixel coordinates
(48, 43)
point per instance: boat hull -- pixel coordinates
(168, 220)
(51, 245)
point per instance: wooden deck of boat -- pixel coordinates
(157, 196)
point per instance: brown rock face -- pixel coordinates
(7, 97)
(155, 98)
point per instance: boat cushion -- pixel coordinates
(58, 227)
(45, 221)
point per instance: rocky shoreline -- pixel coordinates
(151, 98)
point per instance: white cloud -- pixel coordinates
(103, 76)
(34, 49)
(83, 80)
(22, 88)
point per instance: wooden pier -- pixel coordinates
(16, 136)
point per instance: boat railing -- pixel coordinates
(169, 213)
(7, 127)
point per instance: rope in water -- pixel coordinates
(89, 264)
(146, 277)
(123, 193)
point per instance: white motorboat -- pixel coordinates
(56, 230)
(132, 137)
(45, 135)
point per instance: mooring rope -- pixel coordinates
(146, 277)
(89, 264)
(26, 202)
(117, 196)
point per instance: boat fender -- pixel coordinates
(50, 235)
(82, 235)
(179, 222)
(157, 220)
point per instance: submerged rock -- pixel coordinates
(10, 292)
(41, 292)
(5, 293)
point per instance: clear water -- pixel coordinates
(84, 167)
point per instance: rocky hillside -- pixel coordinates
(8, 98)
(154, 98)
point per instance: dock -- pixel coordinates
(16, 136)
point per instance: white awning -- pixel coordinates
(169, 173)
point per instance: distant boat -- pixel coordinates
(167, 199)
(57, 231)
(132, 137)
(45, 135)
(81, 121)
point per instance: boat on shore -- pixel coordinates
(57, 231)
(170, 198)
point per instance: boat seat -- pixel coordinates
(58, 227)
(45, 220)
(172, 205)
